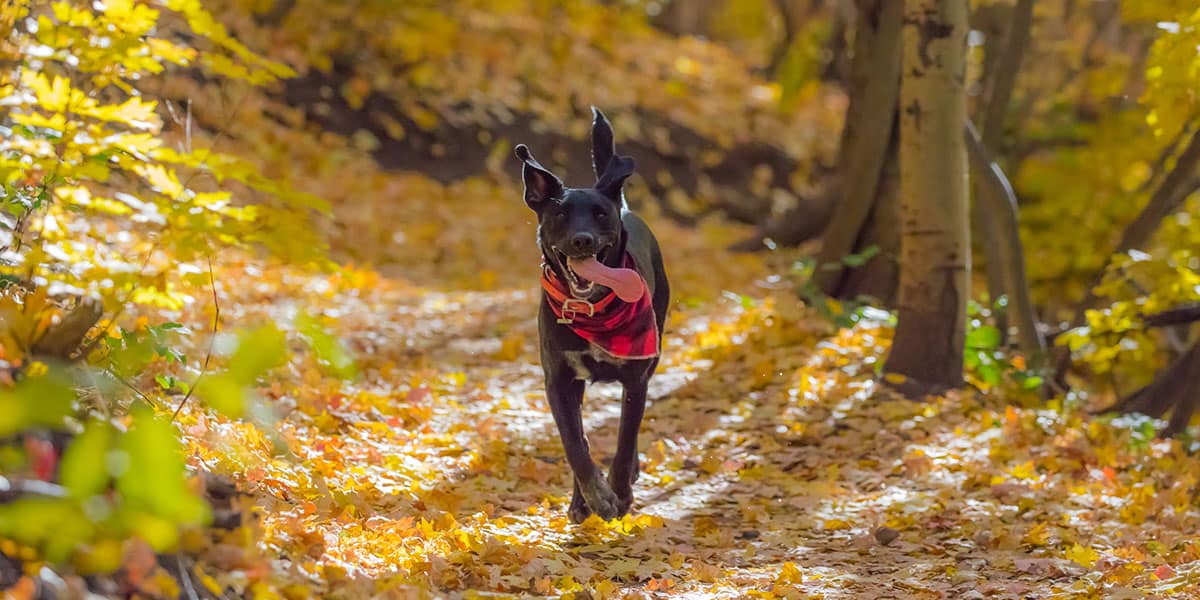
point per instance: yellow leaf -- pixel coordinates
(836, 524)
(1083, 555)
(789, 573)
(1038, 535)
(1025, 470)
(605, 589)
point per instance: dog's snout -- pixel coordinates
(583, 242)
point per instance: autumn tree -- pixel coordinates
(935, 248)
(867, 174)
(106, 208)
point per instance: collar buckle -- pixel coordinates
(573, 306)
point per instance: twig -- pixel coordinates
(186, 578)
(125, 382)
(11, 489)
(212, 338)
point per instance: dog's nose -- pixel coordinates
(583, 242)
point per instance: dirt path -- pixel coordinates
(770, 456)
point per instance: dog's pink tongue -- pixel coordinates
(625, 282)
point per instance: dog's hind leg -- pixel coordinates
(565, 395)
(626, 464)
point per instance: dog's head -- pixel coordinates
(579, 222)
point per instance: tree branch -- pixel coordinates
(12, 489)
(1176, 316)
(779, 54)
(999, 206)
(1175, 188)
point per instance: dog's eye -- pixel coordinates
(601, 216)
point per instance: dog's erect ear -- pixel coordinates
(618, 170)
(540, 183)
(603, 146)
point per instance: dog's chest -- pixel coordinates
(593, 364)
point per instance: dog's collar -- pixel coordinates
(621, 329)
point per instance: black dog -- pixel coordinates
(587, 332)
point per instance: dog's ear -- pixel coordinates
(614, 175)
(603, 146)
(540, 183)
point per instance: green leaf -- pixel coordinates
(84, 469)
(166, 382)
(330, 351)
(43, 401)
(225, 393)
(153, 479)
(990, 372)
(259, 350)
(971, 359)
(56, 523)
(860, 259)
(1031, 383)
(983, 338)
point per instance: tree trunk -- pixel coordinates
(838, 67)
(879, 277)
(935, 248)
(1001, 80)
(687, 17)
(866, 137)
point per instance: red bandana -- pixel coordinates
(622, 329)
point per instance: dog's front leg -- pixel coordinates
(565, 395)
(625, 465)
(578, 510)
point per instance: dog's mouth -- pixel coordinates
(581, 287)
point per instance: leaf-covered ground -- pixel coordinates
(773, 463)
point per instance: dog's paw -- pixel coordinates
(578, 511)
(600, 498)
(624, 493)
(623, 504)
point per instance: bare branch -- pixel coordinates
(1176, 316)
(1000, 208)
(212, 338)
